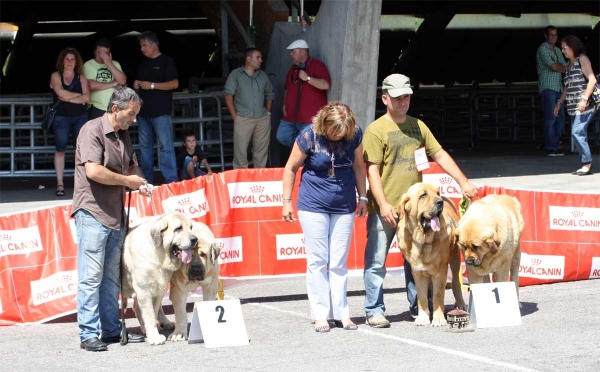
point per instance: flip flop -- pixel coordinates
(322, 329)
(59, 191)
(347, 327)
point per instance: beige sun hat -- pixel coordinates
(397, 85)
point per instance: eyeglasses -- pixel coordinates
(565, 47)
(338, 163)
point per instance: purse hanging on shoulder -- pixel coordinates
(48, 119)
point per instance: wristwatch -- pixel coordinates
(308, 78)
(152, 86)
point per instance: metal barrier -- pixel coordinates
(27, 150)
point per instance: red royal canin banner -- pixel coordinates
(38, 249)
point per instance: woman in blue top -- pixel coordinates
(333, 172)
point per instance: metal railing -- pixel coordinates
(27, 150)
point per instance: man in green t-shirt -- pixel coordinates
(389, 147)
(103, 75)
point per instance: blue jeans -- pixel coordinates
(379, 237)
(65, 125)
(98, 269)
(287, 132)
(183, 174)
(579, 125)
(160, 129)
(553, 125)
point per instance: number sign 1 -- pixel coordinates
(494, 305)
(218, 324)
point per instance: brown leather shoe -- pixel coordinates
(378, 321)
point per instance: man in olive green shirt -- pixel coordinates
(389, 146)
(249, 98)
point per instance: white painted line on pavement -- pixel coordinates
(408, 341)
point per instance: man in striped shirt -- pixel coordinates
(550, 67)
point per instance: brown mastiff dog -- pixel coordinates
(489, 235)
(202, 271)
(426, 237)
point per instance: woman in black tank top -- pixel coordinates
(71, 88)
(579, 85)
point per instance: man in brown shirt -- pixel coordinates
(104, 163)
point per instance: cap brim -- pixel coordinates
(399, 92)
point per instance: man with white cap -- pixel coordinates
(390, 145)
(305, 92)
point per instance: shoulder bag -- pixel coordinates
(48, 119)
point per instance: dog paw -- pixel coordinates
(157, 339)
(439, 321)
(177, 336)
(422, 319)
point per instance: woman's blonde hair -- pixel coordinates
(60, 66)
(335, 118)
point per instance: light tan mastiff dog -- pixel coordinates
(153, 250)
(489, 236)
(425, 236)
(202, 271)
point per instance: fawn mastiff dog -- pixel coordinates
(201, 271)
(425, 236)
(489, 235)
(153, 250)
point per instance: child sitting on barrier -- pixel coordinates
(189, 158)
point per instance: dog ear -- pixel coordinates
(402, 208)
(214, 253)
(493, 244)
(156, 231)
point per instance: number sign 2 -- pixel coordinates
(494, 305)
(218, 324)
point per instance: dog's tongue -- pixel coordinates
(435, 224)
(186, 256)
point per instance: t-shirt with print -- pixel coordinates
(322, 190)
(102, 74)
(392, 146)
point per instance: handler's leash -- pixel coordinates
(124, 339)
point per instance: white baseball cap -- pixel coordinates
(397, 85)
(298, 44)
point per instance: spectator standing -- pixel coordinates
(305, 92)
(156, 79)
(333, 173)
(105, 164)
(71, 88)
(103, 75)
(579, 85)
(190, 157)
(249, 98)
(390, 146)
(550, 67)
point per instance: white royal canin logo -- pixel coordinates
(20, 241)
(231, 249)
(58, 285)
(255, 194)
(193, 204)
(394, 247)
(595, 272)
(447, 185)
(542, 266)
(574, 218)
(290, 246)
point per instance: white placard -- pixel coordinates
(421, 160)
(218, 324)
(494, 305)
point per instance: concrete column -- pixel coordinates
(345, 36)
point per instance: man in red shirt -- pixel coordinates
(305, 92)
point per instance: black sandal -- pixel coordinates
(59, 191)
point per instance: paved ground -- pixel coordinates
(559, 330)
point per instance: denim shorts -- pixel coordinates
(65, 125)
